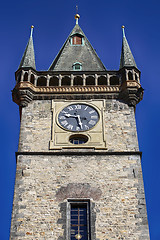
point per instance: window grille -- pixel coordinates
(79, 220)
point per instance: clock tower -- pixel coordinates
(78, 162)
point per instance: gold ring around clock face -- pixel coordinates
(78, 117)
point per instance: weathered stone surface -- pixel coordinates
(119, 212)
(112, 181)
(78, 190)
(119, 127)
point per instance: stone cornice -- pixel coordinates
(66, 89)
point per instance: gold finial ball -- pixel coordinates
(32, 26)
(123, 26)
(77, 16)
(78, 236)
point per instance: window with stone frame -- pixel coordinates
(77, 40)
(79, 219)
(77, 66)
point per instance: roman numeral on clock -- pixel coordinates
(70, 127)
(64, 123)
(92, 122)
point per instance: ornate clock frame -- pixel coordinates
(60, 136)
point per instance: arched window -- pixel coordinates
(77, 66)
(114, 80)
(130, 76)
(54, 81)
(123, 77)
(78, 81)
(25, 77)
(42, 81)
(136, 78)
(32, 79)
(102, 80)
(66, 81)
(90, 80)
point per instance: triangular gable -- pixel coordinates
(71, 54)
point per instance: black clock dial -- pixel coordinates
(78, 117)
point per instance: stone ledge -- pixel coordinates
(80, 152)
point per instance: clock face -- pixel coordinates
(78, 117)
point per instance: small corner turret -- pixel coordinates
(28, 59)
(131, 90)
(25, 73)
(127, 59)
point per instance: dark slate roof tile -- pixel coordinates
(28, 59)
(127, 58)
(70, 54)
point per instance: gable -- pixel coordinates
(77, 48)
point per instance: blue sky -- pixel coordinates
(101, 22)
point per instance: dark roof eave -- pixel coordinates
(45, 72)
(129, 67)
(25, 68)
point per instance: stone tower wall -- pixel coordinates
(112, 182)
(111, 179)
(120, 127)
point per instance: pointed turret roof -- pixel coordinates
(28, 59)
(127, 59)
(83, 53)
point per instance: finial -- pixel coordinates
(76, 9)
(77, 16)
(32, 30)
(123, 27)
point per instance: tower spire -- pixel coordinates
(28, 59)
(123, 27)
(127, 58)
(31, 30)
